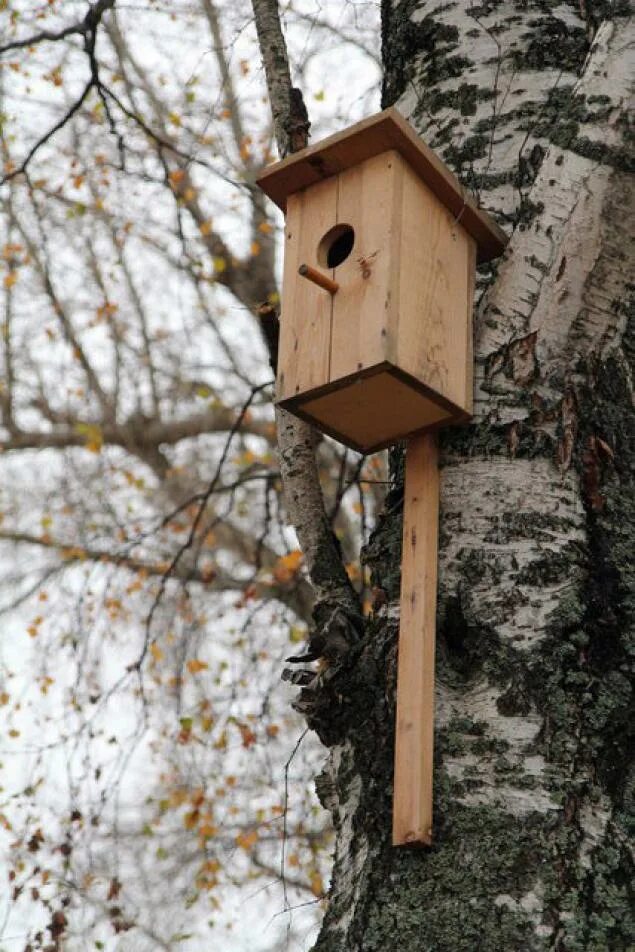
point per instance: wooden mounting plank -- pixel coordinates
(379, 133)
(414, 731)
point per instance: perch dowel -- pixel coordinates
(322, 280)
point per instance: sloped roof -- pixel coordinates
(370, 137)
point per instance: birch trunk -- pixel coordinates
(528, 103)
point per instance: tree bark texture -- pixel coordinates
(528, 103)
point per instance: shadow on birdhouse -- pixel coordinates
(381, 246)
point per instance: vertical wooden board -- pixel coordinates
(305, 325)
(414, 729)
(469, 356)
(368, 200)
(433, 292)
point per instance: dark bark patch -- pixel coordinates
(462, 648)
(403, 41)
(466, 99)
(553, 567)
(552, 44)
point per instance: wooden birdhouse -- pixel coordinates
(381, 245)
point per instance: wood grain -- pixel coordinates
(366, 200)
(372, 411)
(305, 325)
(322, 280)
(379, 133)
(434, 303)
(414, 730)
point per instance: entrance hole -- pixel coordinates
(336, 246)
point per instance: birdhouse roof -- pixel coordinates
(379, 133)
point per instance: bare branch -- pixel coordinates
(88, 29)
(83, 28)
(286, 110)
(296, 439)
(138, 433)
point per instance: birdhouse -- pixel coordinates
(381, 246)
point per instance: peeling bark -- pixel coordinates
(528, 103)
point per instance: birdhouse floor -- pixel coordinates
(379, 405)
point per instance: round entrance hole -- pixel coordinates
(336, 246)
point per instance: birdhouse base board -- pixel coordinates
(374, 408)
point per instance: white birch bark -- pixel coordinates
(507, 95)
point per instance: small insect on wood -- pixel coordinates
(381, 247)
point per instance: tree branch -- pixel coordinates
(337, 611)
(83, 28)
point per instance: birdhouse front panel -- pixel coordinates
(304, 351)
(381, 246)
(367, 202)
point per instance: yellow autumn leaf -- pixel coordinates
(10, 279)
(247, 736)
(287, 566)
(221, 743)
(55, 76)
(247, 840)
(205, 228)
(265, 227)
(92, 434)
(207, 830)
(255, 249)
(316, 884)
(319, 96)
(194, 666)
(156, 652)
(246, 458)
(176, 177)
(220, 265)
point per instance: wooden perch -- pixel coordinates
(322, 280)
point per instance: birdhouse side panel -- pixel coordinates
(305, 325)
(437, 260)
(368, 199)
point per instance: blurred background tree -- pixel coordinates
(150, 586)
